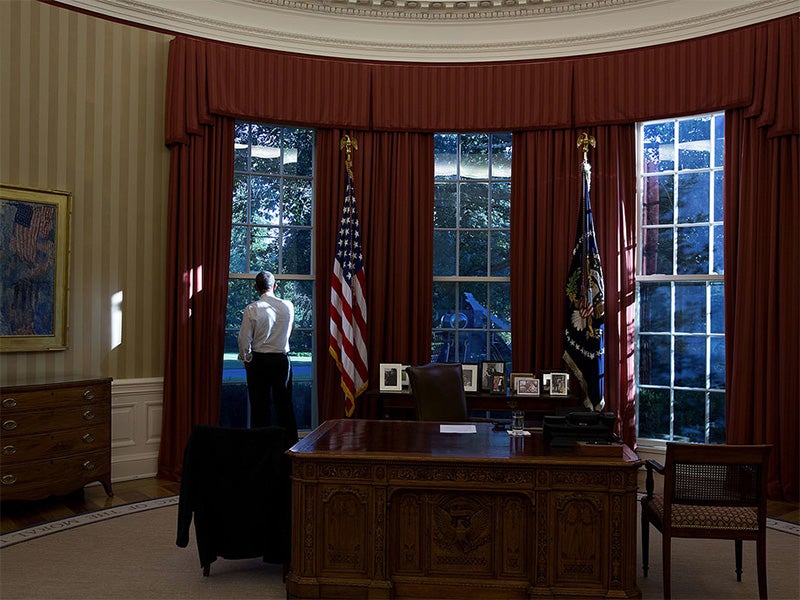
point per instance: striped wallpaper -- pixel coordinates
(82, 110)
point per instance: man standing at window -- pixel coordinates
(264, 348)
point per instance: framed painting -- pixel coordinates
(391, 375)
(34, 235)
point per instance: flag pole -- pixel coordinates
(348, 144)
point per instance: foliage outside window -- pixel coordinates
(471, 265)
(680, 336)
(272, 230)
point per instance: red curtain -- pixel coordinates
(393, 172)
(754, 68)
(762, 263)
(198, 247)
(546, 194)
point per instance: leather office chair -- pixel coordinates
(236, 486)
(710, 491)
(438, 390)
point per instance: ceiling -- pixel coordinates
(442, 30)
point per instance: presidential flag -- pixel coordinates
(348, 311)
(585, 311)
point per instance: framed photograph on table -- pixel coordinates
(489, 369)
(35, 267)
(512, 380)
(559, 384)
(526, 386)
(391, 376)
(469, 372)
(404, 377)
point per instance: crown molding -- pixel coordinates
(441, 31)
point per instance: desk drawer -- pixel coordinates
(19, 449)
(42, 421)
(38, 479)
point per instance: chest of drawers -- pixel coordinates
(55, 437)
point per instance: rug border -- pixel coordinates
(33, 532)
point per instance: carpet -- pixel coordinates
(129, 551)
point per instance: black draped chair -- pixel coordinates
(236, 487)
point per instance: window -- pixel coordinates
(680, 336)
(471, 265)
(272, 229)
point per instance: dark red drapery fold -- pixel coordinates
(762, 263)
(546, 196)
(754, 68)
(393, 174)
(198, 247)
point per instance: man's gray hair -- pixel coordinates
(265, 280)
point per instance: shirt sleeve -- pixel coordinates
(245, 338)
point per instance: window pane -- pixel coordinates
(695, 143)
(444, 305)
(240, 294)
(717, 307)
(265, 152)
(297, 195)
(690, 307)
(719, 189)
(654, 360)
(693, 195)
(501, 155)
(474, 204)
(296, 256)
(693, 249)
(690, 361)
(444, 205)
(301, 293)
(265, 193)
(719, 249)
(241, 146)
(238, 249)
(657, 249)
(716, 418)
(655, 305)
(474, 302)
(659, 146)
(445, 155)
(501, 204)
(472, 253)
(264, 249)
(500, 305)
(444, 253)
(239, 212)
(716, 378)
(474, 156)
(298, 152)
(654, 413)
(500, 260)
(690, 416)
(659, 198)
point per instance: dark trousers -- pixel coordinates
(269, 383)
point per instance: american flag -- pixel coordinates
(348, 307)
(33, 225)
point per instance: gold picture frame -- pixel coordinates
(35, 268)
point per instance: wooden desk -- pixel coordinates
(385, 509)
(400, 405)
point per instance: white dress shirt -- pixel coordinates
(266, 326)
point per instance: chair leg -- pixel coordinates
(206, 570)
(645, 545)
(738, 544)
(761, 560)
(666, 559)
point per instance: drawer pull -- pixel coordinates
(9, 479)
(10, 403)
(88, 466)
(9, 425)
(88, 415)
(89, 394)
(9, 450)
(88, 438)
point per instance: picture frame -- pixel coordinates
(469, 373)
(405, 383)
(391, 377)
(559, 384)
(37, 243)
(512, 380)
(527, 386)
(488, 370)
(498, 383)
